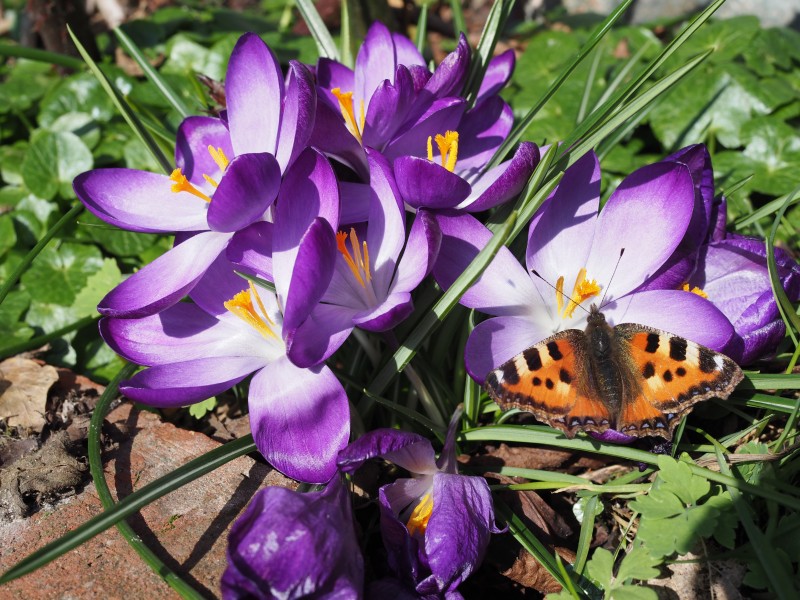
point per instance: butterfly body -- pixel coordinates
(630, 378)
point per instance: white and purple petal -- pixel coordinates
(249, 187)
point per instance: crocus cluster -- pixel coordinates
(316, 204)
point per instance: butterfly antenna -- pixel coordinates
(614, 272)
(558, 291)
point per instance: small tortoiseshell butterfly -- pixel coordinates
(635, 379)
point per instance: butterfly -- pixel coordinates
(631, 378)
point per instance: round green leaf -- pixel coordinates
(52, 162)
(60, 272)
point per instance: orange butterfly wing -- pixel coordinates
(673, 375)
(547, 380)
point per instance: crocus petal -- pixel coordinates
(332, 137)
(403, 551)
(449, 77)
(140, 201)
(425, 184)
(251, 249)
(393, 310)
(219, 284)
(182, 383)
(333, 74)
(402, 493)
(674, 311)
(320, 335)
(420, 253)
(288, 545)
(388, 109)
(254, 95)
(299, 109)
(698, 161)
(355, 202)
(497, 340)
(504, 288)
(166, 280)
(559, 241)
(182, 332)
(313, 269)
(194, 136)
(480, 133)
(458, 531)
(250, 185)
(498, 72)
(658, 197)
(504, 182)
(408, 450)
(442, 116)
(300, 419)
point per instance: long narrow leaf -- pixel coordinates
(34, 252)
(167, 92)
(516, 133)
(326, 47)
(784, 304)
(98, 476)
(41, 340)
(459, 24)
(125, 110)
(131, 504)
(492, 30)
(62, 60)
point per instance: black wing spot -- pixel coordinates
(549, 384)
(537, 381)
(652, 343)
(555, 353)
(532, 358)
(680, 371)
(667, 375)
(649, 370)
(707, 362)
(510, 375)
(564, 376)
(677, 348)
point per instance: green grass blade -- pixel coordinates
(131, 504)
(586, 534)
(769, 208)
(611, 105)
(326, 47)
(62, 60)
(516, 133)
(346, 41)
(41, 340)
(784, 304)
(459, 24)
(630, 110)
(433, 319)
(780, 581)
(98, 476)
(167, 92)
(422, 27)
(588, 85)
(34, 252)
(126, 111)
(492, 30)
(770, 381)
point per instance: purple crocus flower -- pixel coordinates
(435, 525)
(576, 250)
(299, 417)
(376, 269)
(293, 545)
(732, 273)
(228, 174)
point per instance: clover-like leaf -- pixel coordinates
(638, 564)
(600, 568)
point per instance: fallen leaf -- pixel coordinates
(23, 392)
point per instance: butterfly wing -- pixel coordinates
(549, 380)
(673, 374)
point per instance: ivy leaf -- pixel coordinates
(53, 160)
(59, 273)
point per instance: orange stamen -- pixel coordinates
(241, 305)
(181, 184)
(348, 112)
(418, 521)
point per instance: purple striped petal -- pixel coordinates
(300, 419)
(420, 253)
(355, 202)
(332, 74)
(140, 201)
(451, 74)
(393, 310)
(195, 135)
(504, 182)
(332, 137)
(166, 280)
(656, 198)
(320, 335)
(498, 72)
(182, 383)
(388, 108)
(219, 284)
(251, 249)
(250, 185)
(443, 115)
(299, 109)
(254, 94)
(481, 132)
(425, 184)
(408, 450)
(497, 340)
(504, 288)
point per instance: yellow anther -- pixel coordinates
(341, 245)
(560, 294)
(181, 184)
(583, 290)
(448, 148)
(695, 290)
(348, 112)
(241, 305)
(218, 154)
(418, 521)
(210, 181)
